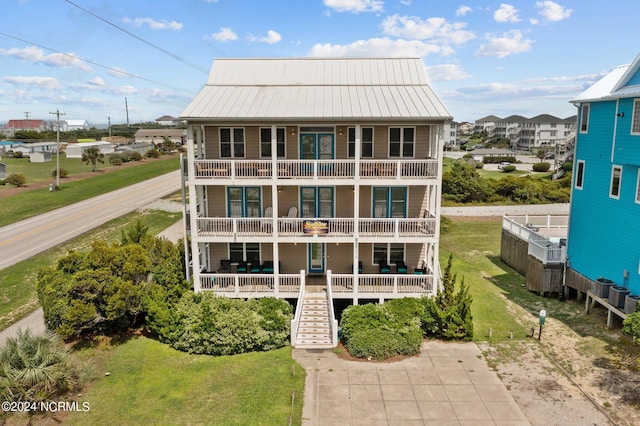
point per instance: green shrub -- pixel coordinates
(508, 169)
(18, 154)
(16, 179)
(135, 156)
(541, 167)
(63, 172)
(209, 324)
(378, 332)
(496, 159)
(567, 166)
(631, 325)
(116, 159)
(152, 153)
(479, 165)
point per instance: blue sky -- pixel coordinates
(84, 57)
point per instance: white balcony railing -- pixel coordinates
(317, 169)
(246, 285)
(290, 227)
(546, 251)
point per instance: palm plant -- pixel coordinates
(35, 368)
(92, 156)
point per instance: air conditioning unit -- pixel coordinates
(601, 287)
(617, 295)
(630, 303)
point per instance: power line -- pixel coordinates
(148, 43)
(116, 70)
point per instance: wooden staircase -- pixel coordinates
(314, 331)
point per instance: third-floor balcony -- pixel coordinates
(340, 169)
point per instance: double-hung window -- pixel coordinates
(401, 141)
(366, 142)
(389, 252)
(232, 142)
(265, 142)
(584, 118)
(243, 201)
(316, 201)
(635, 120)
(616, 179)
(248, 252)
(389, 201)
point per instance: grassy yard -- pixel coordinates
(150, 383)
(17, 282)
(475, 245)
(36, 172)
(38, 201)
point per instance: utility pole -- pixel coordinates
(57, 114)
(26, 114)
(126, 107)
(109, 118)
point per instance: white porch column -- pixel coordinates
(193, 203)
(356, 209)
(274, 207)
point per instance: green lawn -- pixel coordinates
(18, 282)
(36, 172)
(476, 258)
(150, 383)
(38, 201)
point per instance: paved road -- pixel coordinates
(29, 237)
(533, 209)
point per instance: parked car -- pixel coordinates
(503, 164)
(550, 156)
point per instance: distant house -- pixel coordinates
(157, 136)
(14, 126)
(605, 196)
(77, 149)
(140, 147)
(528, 134)
(70, 125)
(167, 120)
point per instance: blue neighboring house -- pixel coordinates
(604, 223)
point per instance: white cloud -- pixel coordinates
(355, 6)
(272, 37)
(405, 2)
(96, 81)
(225, 34)
(506, 13)
(153, 24)
(435, 29)
(502, 46)
(447, 72)
(36, 55)
(378, 47)
(552, 11)
(48, 83)
(463, 10)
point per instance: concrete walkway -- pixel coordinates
(447, 384)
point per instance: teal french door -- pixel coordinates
(316, 201)
(243, 201)
(316, 146)
(389, 201)
(315, 258)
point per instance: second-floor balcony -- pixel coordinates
(331, 228)
(317, 169)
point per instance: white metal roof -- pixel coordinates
(317, 88)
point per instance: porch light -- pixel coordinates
(340, 132)
(293, 131)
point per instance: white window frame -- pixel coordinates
(613, 173)
(388, 252)
(232, 141)
(635, 120)
(584, 124)
(349, 142)
(402, 130)
(638, 188)
(284, 142)
(579, 176)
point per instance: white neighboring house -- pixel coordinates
(156, 136)
(40, 157)
(450, 134)
(31, 147)
(76, 150)
(69, 125)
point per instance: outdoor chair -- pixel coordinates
(256, 268)
(242, 267)
(401, 267)
(267, 267)
(384, 267)
(225, 265)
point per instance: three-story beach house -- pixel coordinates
(604, 227)
(315, 173)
